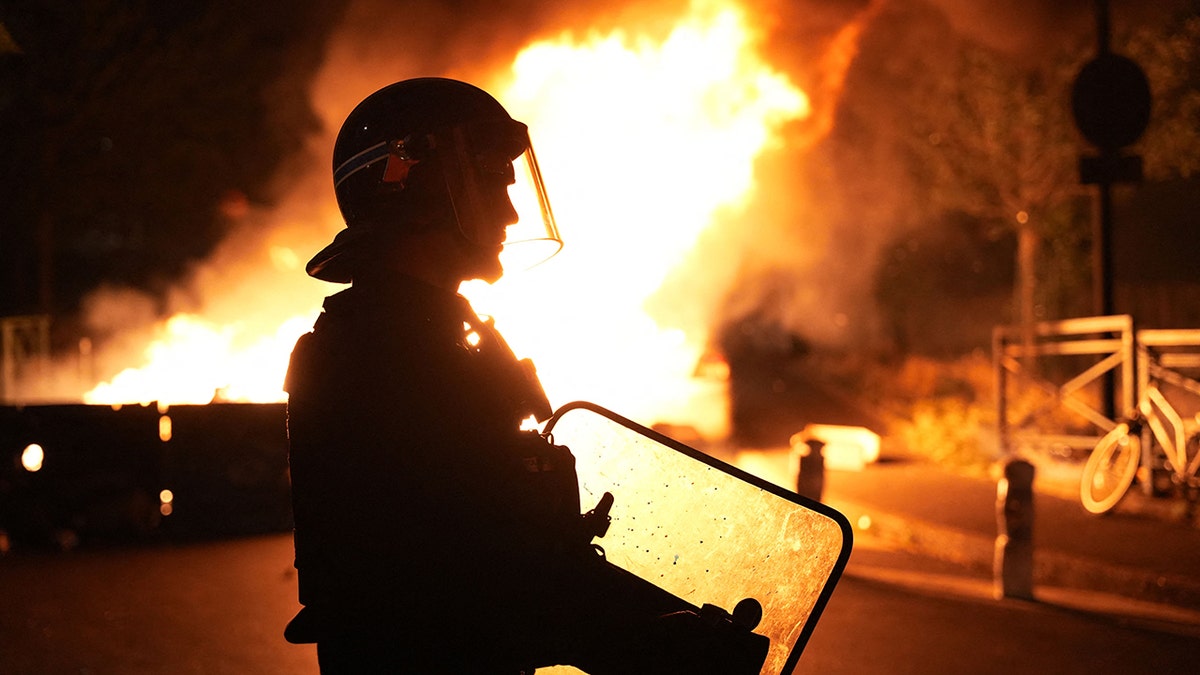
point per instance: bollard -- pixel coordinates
(810, 477)
(1013, 566)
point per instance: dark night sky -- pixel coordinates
(132, 131)
(129, 128)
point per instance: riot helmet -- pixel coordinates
(429, 153)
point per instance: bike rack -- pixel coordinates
(1133, 356)
(1015, 354)
(1163, 354)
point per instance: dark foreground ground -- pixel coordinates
(220, 607)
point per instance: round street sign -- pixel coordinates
(1111, 101)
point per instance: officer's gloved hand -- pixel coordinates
(709, 642)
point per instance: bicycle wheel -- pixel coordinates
(1110, 469)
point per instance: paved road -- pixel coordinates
(219, 607)
(896, 614)
(205, 608)
(1144, 549)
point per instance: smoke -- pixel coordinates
(1024, 29)
(789, 267)
(253, 280)
(799, 258)
(842, 190)
(1027, 29)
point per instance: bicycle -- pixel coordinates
(1168, 457)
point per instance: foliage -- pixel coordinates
(943, 409)
(994, 139)
(950, 432)
(939, 409)
(940, 289)
(1170, 56)
(987, 137)
(999, 145)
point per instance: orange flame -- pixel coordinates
(644, 141)
(195, 361)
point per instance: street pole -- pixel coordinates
(1102, 286)
(1111, 103)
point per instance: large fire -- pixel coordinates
(644, 142)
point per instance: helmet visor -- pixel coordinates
(496, 188)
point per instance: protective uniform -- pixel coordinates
(432, 535)
(414, 498)
(419, 505)
(420, 154)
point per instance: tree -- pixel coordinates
(997, 142)
(936, 123)
(1170, 56)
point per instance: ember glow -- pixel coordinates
(644, 140)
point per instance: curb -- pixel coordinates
(1051, 568)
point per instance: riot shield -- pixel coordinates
(706, 531)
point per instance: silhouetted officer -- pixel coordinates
(432, 534)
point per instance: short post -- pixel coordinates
(1013, 567)
(810, 476)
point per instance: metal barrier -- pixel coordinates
(1136, 356)
(1110, 339)
(1170, 402)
